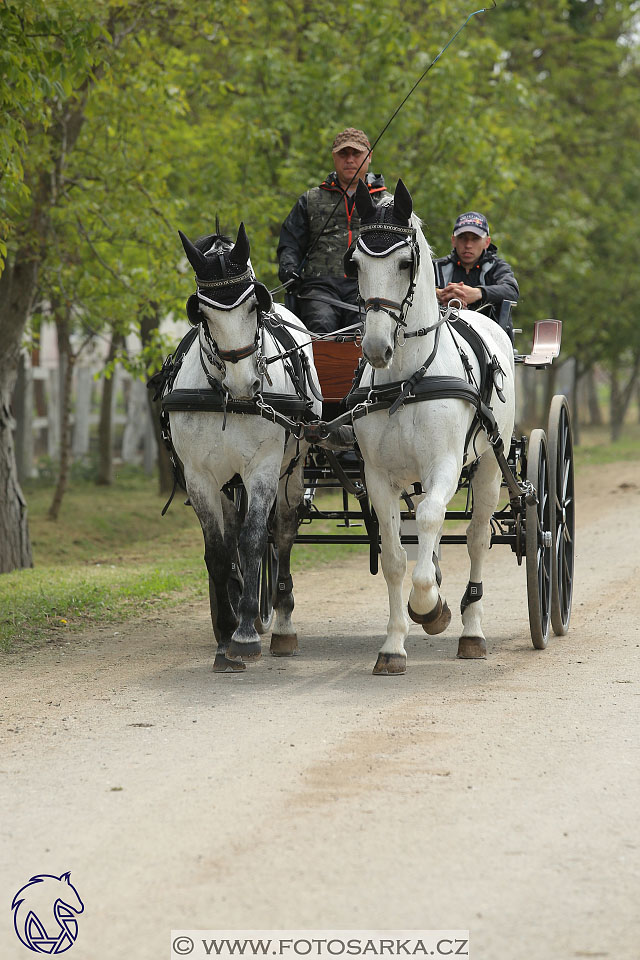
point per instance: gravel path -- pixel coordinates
(498, 796)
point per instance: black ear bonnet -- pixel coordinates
(193, 310)
(350, 268)
(384, 227)
(224, 276)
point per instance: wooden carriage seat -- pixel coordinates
(336, 362)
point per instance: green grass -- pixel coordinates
(111, 556)
(596, 448)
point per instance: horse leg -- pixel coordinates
(392, 657)
(486, 491)
(284, 639)
(261, 492)
(426, 606)
(234, 582)
(218, 558)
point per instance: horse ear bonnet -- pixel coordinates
(350, 267)
(395, 212)
(402, 204)
(364, 203)
(193, 310)
(265, 300)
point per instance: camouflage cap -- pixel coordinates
(351, 138)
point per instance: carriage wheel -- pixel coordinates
(539, 524)
(563, 545)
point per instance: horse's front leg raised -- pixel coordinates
(426, 607)
(392, 658)
(284, 639)
(261, 492)
(486, 491)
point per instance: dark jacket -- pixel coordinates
(493, 275)
(299, 248)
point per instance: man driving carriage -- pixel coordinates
(473, 273)
(318, 231)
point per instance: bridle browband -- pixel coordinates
(217, 355)
(408, 238)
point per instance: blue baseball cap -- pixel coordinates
(471, 222)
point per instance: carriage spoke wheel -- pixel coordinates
(562, 489)
(539, 524)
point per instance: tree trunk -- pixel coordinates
(575, 406)
(621, 394)
(593, 404)
(105, 428)
(148, 324)
(15, 545)
(67, 359)
(17, 286)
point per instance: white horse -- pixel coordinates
(426, 441)
(232, 356)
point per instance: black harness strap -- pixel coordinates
(213, 401)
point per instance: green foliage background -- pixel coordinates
(190, 111)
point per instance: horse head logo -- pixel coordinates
(44, 913)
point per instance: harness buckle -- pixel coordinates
(361, 408)
(262, 368)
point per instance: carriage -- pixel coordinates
(258, 487)
(541, 531)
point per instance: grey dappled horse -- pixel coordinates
(232, 355)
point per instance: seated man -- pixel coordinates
(318, 232)
(473, 273)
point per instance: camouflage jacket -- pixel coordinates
(305, 224)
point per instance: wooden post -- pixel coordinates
(82, 412)
(23, 411)
(53, 414)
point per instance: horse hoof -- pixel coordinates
(435, 621)
(472, 648)
(284, 644)
(440, 623)
(222, 665)
(390, 665)
(244, 651)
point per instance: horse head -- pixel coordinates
(386, 259)
(229, 302)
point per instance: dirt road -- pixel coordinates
(499, 796)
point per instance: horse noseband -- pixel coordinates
(379, 304)
(233, 356)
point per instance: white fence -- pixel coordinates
(38, 415)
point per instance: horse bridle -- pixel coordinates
(408, 238)
(217, 355)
